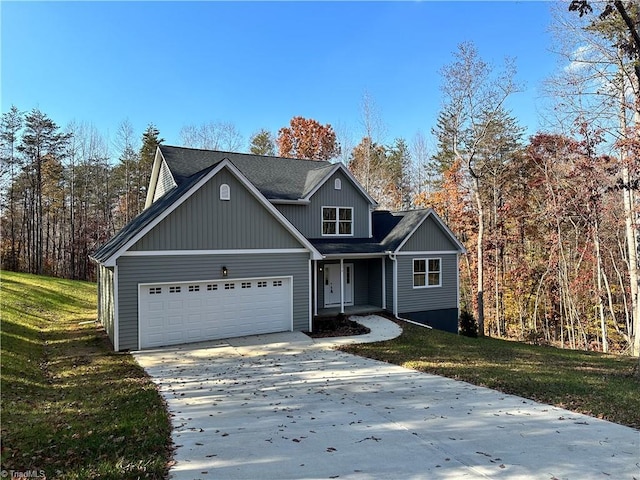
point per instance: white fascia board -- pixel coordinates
(332, 256)
(345, 170)
(153, 181)
(315, 255)
(246, 251)
(280, 201)
(448, 232)
(455, 240)
(428, 253)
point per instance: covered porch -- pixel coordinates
(349, 285)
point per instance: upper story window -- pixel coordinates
(337, 221)
(427, 272)
(337, 184)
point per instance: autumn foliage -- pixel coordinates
(307, 138)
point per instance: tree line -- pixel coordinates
(549, 221)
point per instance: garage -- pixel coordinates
(185, 312)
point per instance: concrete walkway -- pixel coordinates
(285, 406)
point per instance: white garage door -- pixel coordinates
(175, 313)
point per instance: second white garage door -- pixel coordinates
(185, 312)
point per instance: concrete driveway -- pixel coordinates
(285, 407)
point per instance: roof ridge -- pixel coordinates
(323, 163)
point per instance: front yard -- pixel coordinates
(71, 408)
(603, 386)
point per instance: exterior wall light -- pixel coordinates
(225, 272)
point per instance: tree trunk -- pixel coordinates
(603, 323)
(480, 258)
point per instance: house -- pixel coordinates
(234, 244)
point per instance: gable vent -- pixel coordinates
(337, 184)
(225, 192)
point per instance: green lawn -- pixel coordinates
(70, 406)
(602, 386)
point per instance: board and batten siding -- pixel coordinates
(374, 275)
(204, 222)
(412, 299)
(308, 218)
(106, 305)
(133, 270)
(429, 237)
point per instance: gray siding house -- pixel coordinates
(233, 244)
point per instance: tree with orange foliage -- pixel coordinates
(307, 138)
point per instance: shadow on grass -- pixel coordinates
(600, 385)
(71, 405)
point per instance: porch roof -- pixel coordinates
(348, 246)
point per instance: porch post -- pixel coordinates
(341, 285)
(384, 283)
(315, 288)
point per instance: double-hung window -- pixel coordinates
(337, 221)
(427, 272)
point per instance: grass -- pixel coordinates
(70, 406)
(603, 386)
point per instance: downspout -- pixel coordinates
(116, 312)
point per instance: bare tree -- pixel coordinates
(212, 136)
(475, 96)
(599, 87)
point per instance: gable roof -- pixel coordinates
(277, 178)
(391, 231)
(160, 209)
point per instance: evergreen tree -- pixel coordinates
(10, 127)
(150, 141)
(399, 165)
(42, 142)
(262, 143)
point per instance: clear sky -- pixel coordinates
(258, 64)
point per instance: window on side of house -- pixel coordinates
(337, 221)
(427, 272)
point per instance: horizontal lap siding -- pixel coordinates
(182, 268)
(433, 298)
(165, 182)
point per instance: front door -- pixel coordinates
(332, 284)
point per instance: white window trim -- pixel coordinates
(337, 222)
(426, 272)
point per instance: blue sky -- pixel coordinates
(258, 64)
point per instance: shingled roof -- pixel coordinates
(140, 222)
(277, 178)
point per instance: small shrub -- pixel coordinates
(467, 325)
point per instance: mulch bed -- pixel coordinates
(340, 326)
